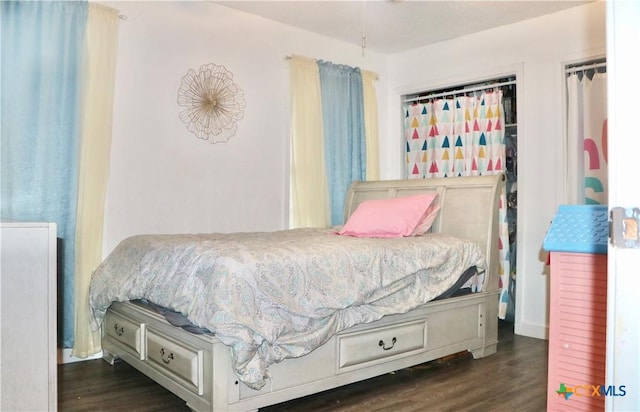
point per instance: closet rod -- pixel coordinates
(570, 70)
(461, 91)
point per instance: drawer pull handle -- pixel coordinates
(393, 343)
(119, 329)
(166, 359)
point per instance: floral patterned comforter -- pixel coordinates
(270, 296)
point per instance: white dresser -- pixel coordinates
(28, 372)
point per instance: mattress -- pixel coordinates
(179, 320)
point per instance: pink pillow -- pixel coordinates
(390, 217)
(427, 220)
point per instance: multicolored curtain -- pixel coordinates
(587, 138)
(461, 136)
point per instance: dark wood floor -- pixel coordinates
(513, 379)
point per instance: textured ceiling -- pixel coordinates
(393, 26)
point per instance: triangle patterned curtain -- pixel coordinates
(461, 136)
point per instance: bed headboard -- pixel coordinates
(468, 208)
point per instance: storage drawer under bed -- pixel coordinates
(185, 364)
(125, 333)
(360, 349)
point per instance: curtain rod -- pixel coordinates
(593, 66)
(361, 69)
(460, 91)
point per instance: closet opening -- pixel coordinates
(470, 130)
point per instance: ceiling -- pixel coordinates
(393, 26)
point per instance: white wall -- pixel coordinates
(536, 51)
(163, 179)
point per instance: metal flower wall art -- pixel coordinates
(213, 103)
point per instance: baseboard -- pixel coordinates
(64, 356)
(531, 330)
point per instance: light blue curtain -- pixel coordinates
(42, 45)
(344, 131)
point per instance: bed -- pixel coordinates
(244, 365)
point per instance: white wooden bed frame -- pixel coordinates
(197, 368)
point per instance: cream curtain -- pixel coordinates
(101, 43)
(371, 124)
(310, 198)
